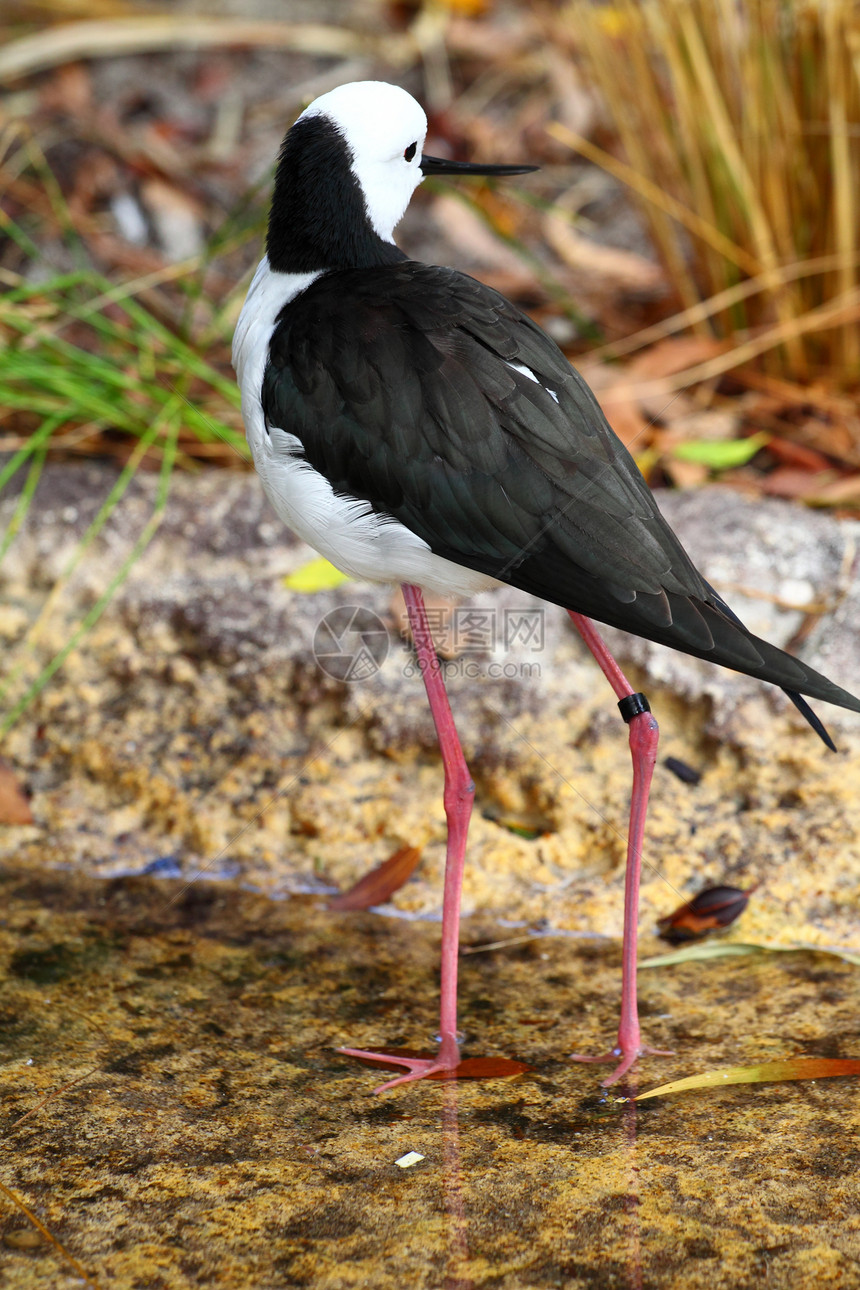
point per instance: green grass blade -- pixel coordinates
(92, 617)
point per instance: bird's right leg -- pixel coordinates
(459, 795)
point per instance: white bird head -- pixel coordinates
(347, 170)
(384, 129)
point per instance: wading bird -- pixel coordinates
(415, 427)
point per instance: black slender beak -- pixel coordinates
(441, 166)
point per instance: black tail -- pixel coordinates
(797, 699)
(696, 621)
(806, 712)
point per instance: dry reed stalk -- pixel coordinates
(739, 122)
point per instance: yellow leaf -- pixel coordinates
(791, 1068)
(317, 575)
(614, 23)
(468, 8)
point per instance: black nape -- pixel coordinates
(319, 218)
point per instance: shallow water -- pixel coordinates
(188, 1121)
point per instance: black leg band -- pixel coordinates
(633, 705)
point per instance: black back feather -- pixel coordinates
(399, 381)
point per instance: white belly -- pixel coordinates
(347, 533)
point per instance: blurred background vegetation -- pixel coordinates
(692, 239)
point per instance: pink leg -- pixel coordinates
(459, 795)
(644, 734)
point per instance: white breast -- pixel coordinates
(346, 532)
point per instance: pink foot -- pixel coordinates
(628, 1059)
(447, 1059)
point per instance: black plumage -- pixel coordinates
(314, 163)
(398, 379)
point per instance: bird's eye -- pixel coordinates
(410, 152)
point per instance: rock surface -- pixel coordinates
(194, 726)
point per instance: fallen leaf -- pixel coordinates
(468, 8)
(378, 886)
(708, 911)
(619, 404)
(788, 394)
(469, 1067)
(475, 238)
(317, 575)
(701, 952)
(625, 269)
(23, 1238)
(796, 454)
(486, 1068)
(526, 831)
(14, 806)
(701, 423)
(741, 949)
(687, 774)
(838, 439)
(623, 414)
(721, 454)
(685, 474)
(673, 355)
(793, 482)
(177, 217)
(765, 1072)
(839, 492)
(411, 1158)
(69, 90)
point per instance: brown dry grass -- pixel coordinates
(739, 129)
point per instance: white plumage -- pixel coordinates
(345, 531)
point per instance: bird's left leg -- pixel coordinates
(459, 795)
(644, 734)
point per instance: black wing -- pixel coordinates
(402, 384)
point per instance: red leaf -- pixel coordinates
(712, 908)
(381, 883)
(14, 807)
(469, 1068)
(793, 482)
(485, 1068)
(797, 454)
